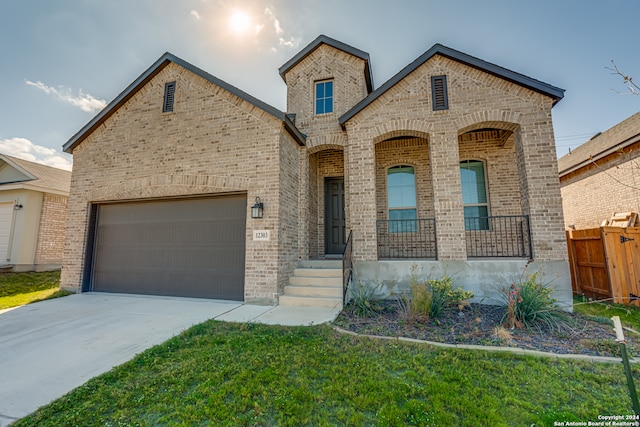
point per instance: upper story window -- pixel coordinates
(474, 195)
(401, 199)
(324, 97)
(169, 95)
(439, 93)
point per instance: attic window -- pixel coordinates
(324, 97)
(439, 93)
(169, 92)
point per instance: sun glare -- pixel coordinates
(239, 21)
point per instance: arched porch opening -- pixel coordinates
(327, 208)
(495, 215)
(405, 219)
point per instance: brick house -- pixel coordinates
(33, 213)
(602, 176)
(449, 166)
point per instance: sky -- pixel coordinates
(64, 60)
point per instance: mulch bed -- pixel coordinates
(476, 324)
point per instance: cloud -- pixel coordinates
(195, 14)
(84, 101)
(27, 150)
(281, 38)
(271, 15)
(292, 42)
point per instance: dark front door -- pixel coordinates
(334, 229)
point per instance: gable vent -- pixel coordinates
(169, 92)
(439, 93)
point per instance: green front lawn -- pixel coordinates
(23, 288)
(226, 374)
(629, 314)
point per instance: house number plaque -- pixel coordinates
(263, 235)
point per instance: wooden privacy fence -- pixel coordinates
(605, 263)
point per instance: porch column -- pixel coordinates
(447, 196)
(304, 205)
(540, 187)
(360, 192)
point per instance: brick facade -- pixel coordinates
(212, 143)
(51, 231)
(597, 192)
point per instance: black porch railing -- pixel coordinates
(407, 239)
(498, 236)
(347, 266)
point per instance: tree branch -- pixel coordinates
(633, 88)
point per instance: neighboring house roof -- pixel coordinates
(623, 134)
(151, 72)
(34, 176)
(322, 39)
(520, 79)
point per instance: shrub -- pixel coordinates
(429, 298)
(444, 296)
(529, 304)
(364, 300)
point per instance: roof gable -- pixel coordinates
(520, 79)
(149, 74)
(19, 173)
(322, 39)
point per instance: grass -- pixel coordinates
(604, 310)
(23, 288)
(228, 374)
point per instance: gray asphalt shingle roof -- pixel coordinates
(45, 177)
(625, 132)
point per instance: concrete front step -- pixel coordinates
(314, 291)
(320, 263)
(316, 281)
(308, 301)
(317, 272)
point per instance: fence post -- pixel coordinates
(627, 366)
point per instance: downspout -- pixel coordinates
(17, 206)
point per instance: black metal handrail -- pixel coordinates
(347, 266)
(407, 238)
(498, 236)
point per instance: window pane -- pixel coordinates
(474, 189)
(403, 221)
(319, 90)
(401, 185)
(319, 107)
(328, 105)
(476, 218)
(328, 89)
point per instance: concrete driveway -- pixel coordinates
(49, 348)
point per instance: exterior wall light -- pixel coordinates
(257, 209)
(18, 206)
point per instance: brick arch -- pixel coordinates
(324, 147)
(324, 142)
(496, 119)
(168, 186)
(399, 128)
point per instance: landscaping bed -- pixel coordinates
(482, 324)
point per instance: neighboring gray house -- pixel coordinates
(33, 213)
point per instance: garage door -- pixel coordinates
(6, 218)
(184, 247)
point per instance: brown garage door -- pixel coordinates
(179, 247)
